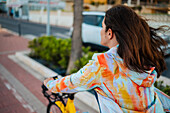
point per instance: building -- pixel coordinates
(3, 8)
(20, 8)
(96, 1)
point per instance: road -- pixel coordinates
(31, 28)
(166, 73)
(36, 29)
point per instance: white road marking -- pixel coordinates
(19, 98)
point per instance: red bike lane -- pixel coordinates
(9, 102)
(9, 44)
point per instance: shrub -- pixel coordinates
(165, 89)
(52, 50)
(95, 3)
(86, 56)
(57, 52)
(86, 8)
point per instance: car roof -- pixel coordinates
(93, 13)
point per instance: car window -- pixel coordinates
(99, 20)
(93, 20)
(90, 19)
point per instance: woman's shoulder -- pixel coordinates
(95, 56)
(108, 59)
(99, 58)
(108, 55)
(102, 58)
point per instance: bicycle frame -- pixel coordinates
(58, 99)
(69, 108)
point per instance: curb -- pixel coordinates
(44, 71)
(85, 97)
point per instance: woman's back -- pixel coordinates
(130, 90)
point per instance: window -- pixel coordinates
(90, 19)
(99, 20)
(93, 20)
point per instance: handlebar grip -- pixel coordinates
(44, 87)
(55, 77)
(71, 96)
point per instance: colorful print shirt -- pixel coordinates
(119, 89)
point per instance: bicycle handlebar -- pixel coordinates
(55, 96)
(55, 77)
(44, 87)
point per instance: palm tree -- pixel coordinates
(76, 49)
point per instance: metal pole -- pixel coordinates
(48, 18)
(19, 28)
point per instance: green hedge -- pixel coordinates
(165, 89)
(86, 56)
(52, 50)
(57, 51)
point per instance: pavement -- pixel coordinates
(15, 82)
(20, 85)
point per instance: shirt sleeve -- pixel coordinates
(86, 78)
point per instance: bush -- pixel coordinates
(86, 8)
(96, 3)
(57, 52)
(52, 50)
(86, 56)
(165, 89)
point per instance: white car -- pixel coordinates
(91, 27)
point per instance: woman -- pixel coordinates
(123, 77)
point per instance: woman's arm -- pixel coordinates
(85, 79)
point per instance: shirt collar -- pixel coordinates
(113, 50)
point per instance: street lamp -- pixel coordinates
(48, 18)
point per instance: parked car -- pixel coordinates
(167, 49)
(91, 27)
(164, 35)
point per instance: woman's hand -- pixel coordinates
(46, 81)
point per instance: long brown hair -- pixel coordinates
(139, 44)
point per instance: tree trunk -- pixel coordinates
(76, 49)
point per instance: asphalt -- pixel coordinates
(24, 27)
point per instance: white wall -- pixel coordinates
(56, 18)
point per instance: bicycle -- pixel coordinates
(58, 102)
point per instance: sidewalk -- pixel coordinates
(20, 85)
(12, 100)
